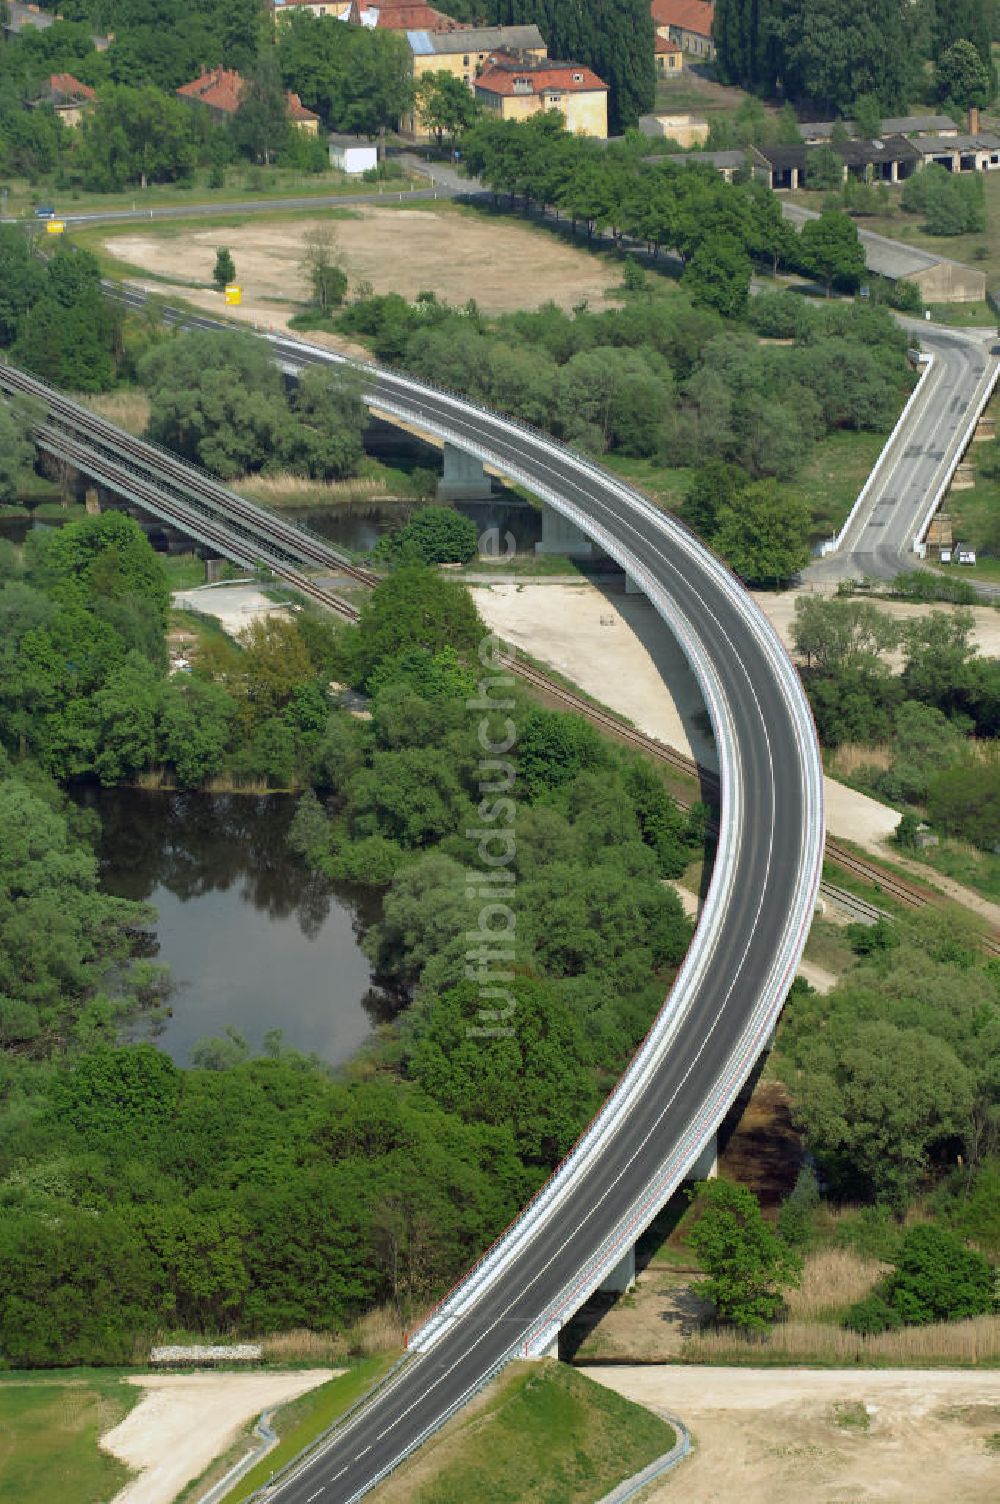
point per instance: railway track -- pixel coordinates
(183, 482)
(190, 499)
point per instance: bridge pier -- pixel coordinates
(632, 587)
(463, 478)
(560, 536)
(92, 501)
(706, 1166)
(622, 1276)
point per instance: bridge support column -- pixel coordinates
(560, 536)
(622, 1276)
(464, 478)
(706, 1166)
(631, 586)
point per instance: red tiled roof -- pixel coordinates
(222, 89)
(66, 87)
(413, 17)
(660, 44)
(297, 110)
(690, 15)
(567, 78)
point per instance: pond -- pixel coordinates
(359, 525)
(252, 939)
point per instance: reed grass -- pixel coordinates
(958, 1343)
(832, 1280)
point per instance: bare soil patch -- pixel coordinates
(502, 264)
(184, 1421)
(777, 1436)
(765, 1151)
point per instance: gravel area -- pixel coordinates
(184, 1421)
(778, 1436)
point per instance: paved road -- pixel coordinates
(771, 810)
(923, 453)
(725, 1000)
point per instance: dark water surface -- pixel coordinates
(359, 525)
(252, 939)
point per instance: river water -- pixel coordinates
(252, 939)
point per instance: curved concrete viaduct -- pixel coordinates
(722, 1009)
(720, 1013)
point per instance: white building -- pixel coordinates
(351, 154)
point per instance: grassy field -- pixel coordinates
(828, 482)
(301, 1422)
(541, 1434)
(49, 1429)
(980, 250)
(242, 182)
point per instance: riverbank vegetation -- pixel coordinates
(259, 1195)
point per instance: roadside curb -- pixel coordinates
(669, 1460)
(268, 1439)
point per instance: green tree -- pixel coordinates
(521, 1060)
(718, 275)
(445, 104)
(834, 636)
(937, 1278)
(414, 607)
(436, 535)
(321, 266)
(824, 169)
(747, 1264)
(260, 126)
(830, 52)
(17, 452)
(962, 77)
(22, 279)
(136, 135)
(225, 268)
(874, 1107)
(193, 728)
(764, 536)
(831, 250)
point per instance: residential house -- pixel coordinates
(465, 52)
(668, 57)
(333, 10)
(517, 89)
(67, 96)
(220, 91)
(387, 15)
(686, 22)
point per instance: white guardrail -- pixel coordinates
(747, 1049)
(937, 496)
(832, 545)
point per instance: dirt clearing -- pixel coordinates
(616, 647)
(500, 263)
(834, 1436)
(184, 1421)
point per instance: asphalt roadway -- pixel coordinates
(879, 542)
(762, 887)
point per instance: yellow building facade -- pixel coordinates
(465, 53)
(516, 91)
